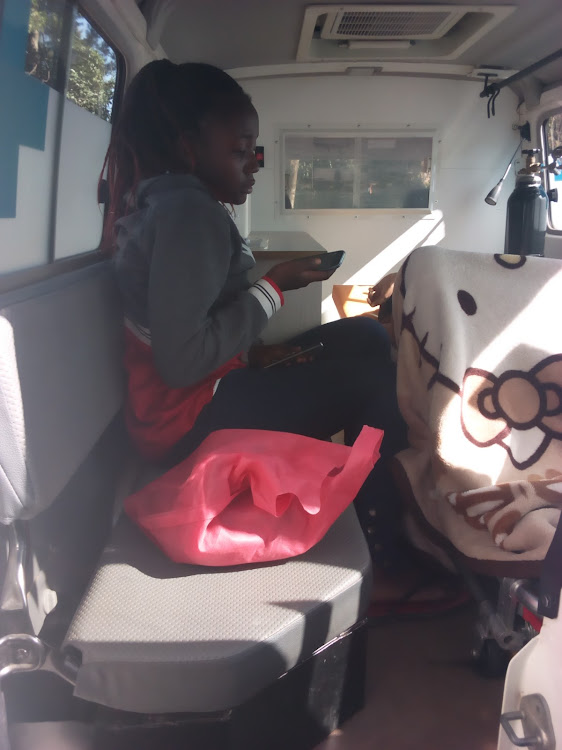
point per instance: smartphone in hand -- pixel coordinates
(330, 261)
(308, 353)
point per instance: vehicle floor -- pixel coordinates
(422, 694)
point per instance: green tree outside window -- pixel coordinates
(92, 66)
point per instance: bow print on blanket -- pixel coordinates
(480, 386)
(521, 411)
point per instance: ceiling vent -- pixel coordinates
(356, 23)
(407, 32)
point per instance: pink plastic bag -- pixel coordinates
(249, 496)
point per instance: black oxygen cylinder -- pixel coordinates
(526, 216)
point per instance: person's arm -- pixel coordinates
(190, 264)
(382, 290)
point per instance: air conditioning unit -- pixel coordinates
(395, 32)
(386, 22)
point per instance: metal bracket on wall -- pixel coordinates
(491, 90)
(525, 131)
(534, 716)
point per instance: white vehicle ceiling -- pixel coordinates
(238, 34)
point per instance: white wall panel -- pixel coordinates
(472, 154)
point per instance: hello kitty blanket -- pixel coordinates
(479, 362)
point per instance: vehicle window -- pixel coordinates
(93, 70)
(61, 76)
(44, 42)
(86, 130)
(372, 171)
(553, 147)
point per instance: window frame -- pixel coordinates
(544, 117)
(74, 6)
(52, 266)
(11, 280)
(353, 131)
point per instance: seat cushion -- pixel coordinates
(158, 637)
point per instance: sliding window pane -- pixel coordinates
(395, 172)
(44, 42)
(320, 172)
(92, 73)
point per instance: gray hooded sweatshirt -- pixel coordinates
(182, 270)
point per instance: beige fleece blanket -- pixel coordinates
(479, 362)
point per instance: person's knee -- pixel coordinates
(368, 335)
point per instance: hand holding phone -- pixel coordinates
(298, 273)
(330, 261)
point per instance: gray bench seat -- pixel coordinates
(154, 636)
(158, 637)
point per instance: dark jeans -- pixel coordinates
(350, 384)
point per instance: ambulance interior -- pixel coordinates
(384, 128)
